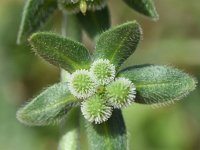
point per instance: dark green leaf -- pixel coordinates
(118, 43)
(60, 51)
(35, 13)
(95, 22)
(159, 84)
(71, 131)
(49, 107)
(110, 135)
(74, 7)
(145, 7)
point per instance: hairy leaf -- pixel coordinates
(145, 7)
(159, 84)
(35, 13)
(60, 51)
(49, 107)
(71, 138)
(95, 22)
(110, 135)
(118, 43)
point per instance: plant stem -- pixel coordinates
(70, 138)
(72, 29)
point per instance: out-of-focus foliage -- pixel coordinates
(145, 7)
(95, 22)
(34, 16)
(174, 39)
(19, 70)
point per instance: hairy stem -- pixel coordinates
(70, 138)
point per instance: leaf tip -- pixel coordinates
(21, 117)
(32, 37)
(35, 38)
(190, 84)
(194, 83)
(134, 24)
(155, 16)
(137, 26)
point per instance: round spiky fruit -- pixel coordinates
(81, 84)
(95, 109)
(120, 93)
(103, 71)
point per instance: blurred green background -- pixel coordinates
(173, 40)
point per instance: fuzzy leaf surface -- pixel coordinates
(110, 135)
(49, 107)
(95, 22)
(118, 43)
(159, 84)
(60, 51)
(35, 14)
(145, 7)
(71, 138)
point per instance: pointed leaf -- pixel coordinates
(110, 135)
(60, 51)
(159, 84)
(118, 43)
(35, 13)
(145, 7)
(95, 22)
(49, 107)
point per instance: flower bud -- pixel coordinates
(103, 71)
(95, 109)
(81, 84)
(120, 93)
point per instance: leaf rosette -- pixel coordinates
(98, 75)
(110, 89)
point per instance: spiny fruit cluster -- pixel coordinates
(100, 91)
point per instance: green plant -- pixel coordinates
(95, 20)
(149, 84)
(94, 82)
